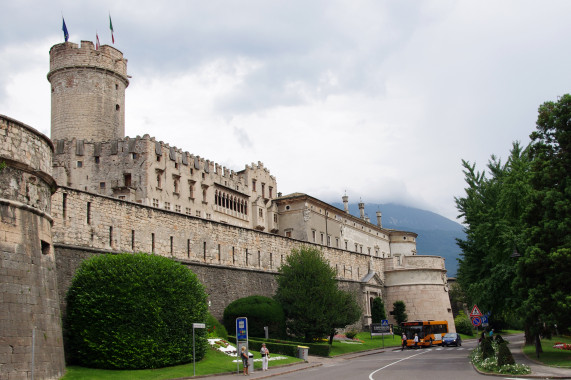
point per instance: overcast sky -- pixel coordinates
(378, 99)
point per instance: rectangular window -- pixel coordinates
(153, 242)
(271, 260)
(259, 259)
(263, 190)
(313, 236)
(260, 213)
(198, 213)
(102, 185)
(233, 256)
(134, 156)
(79, 164)
(337, 242)
(64, 205)
(167, 206)
(96, 160)
(288, 233)
(275, 218)
(177, 208)
(253, 185)
(188, 248)
(219, 253)
(270, 191)
(188, 211)
(246, 256)
(132, 240)
(127, 179)
(172, 245)
(155, 203)
(328, 241)
(322, 238)
(111, 236)
(88, 212)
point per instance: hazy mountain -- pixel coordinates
(436, 234)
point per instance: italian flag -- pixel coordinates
(111, 27)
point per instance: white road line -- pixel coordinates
(398, 361)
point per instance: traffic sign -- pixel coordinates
(476, 312)
(476, 321)
(484, 321)
(384, 322)
(242, 328)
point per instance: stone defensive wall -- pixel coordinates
(31, 342)
(232, 262)
(420, 281)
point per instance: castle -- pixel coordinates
(90, 190)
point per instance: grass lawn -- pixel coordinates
(551, 356)
(368, 343)
(214, 362)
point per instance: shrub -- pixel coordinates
(351, 334)
(487, 349)
(214, 328)
(399, 311)
(260, 311)
(504, 355)
(463, 324)
(132, 311)
(499, 339)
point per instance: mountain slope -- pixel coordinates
(436, 234)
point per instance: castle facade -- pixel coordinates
(106, 192)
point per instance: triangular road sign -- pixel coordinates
(476, 312)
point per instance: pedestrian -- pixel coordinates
(415, 340)
(491, 333)
(403, 341)
(265, 356)
(244, 356)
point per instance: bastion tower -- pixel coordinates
(31, 341)
(88, 92)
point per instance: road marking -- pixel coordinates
(398, 361)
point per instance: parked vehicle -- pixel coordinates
(452, 339)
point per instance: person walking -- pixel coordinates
(265, 356)
(244, 356)
(415, 340)
(403, 341)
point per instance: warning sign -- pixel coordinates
(476, 312)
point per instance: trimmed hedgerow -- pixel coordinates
(132, 311)
(261, 311)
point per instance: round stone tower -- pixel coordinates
(31, 342)
(88, 92)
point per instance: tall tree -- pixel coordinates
(308, 292)
(543, 271)
(378, 310)
(493, 211)
(399, 311)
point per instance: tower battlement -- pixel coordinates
(68, 55)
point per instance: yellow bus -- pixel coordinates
(429, 332)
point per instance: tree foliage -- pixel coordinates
(378, 312)
(132, 311)
(261, 311)
(399, 312)
(524, 204)
(308, 292)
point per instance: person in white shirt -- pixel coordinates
(265, 356)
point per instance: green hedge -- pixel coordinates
(132, 311)
(286, 347)
(261, 311)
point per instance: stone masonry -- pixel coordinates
(31, 339)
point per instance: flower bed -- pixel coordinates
(491, 364)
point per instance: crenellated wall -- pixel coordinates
(30, 326)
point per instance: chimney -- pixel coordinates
(346, 203)
(379, 219)
(362, 209)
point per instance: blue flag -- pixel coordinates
(64, 28)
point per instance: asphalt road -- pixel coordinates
(428, 363)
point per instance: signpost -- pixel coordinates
(241, 338)
(195, 326)
(382, 329)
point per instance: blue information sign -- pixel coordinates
(384, 322)
(242, 328)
